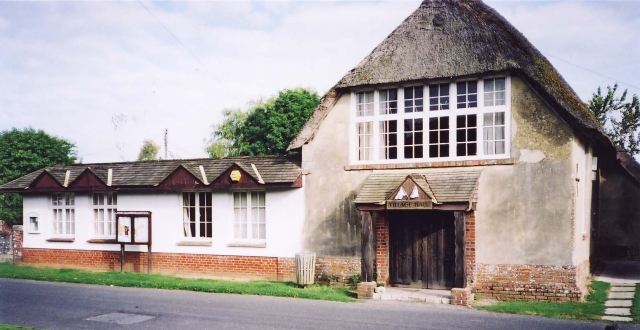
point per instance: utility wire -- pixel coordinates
(187, 49)
(594, 72)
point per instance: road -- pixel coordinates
(77, 306)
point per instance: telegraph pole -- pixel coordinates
(166, 133)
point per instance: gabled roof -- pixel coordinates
(274, 170)
(449, 186)
(448, 39)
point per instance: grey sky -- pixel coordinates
(107, 75)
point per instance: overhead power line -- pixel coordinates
(185, 48)
(594, 72)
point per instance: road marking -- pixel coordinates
(120, 318)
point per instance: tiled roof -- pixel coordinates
(272, 169)
(445, 186)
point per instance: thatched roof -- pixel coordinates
(448, 39)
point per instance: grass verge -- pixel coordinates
(14, 327)
(592, 309)
(261, 288)
(635, 305)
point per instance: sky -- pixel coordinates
(108, 75)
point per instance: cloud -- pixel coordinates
(70, 67)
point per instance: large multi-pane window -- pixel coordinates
(64, 216)
(249, 215)
(197, 215)
(457, 120)
(104, 213)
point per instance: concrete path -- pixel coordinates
(623, 277)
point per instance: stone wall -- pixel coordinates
(18, 237)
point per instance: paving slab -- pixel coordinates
(633, 284)
(623, 289)
(618, 303)
(415, 295)
(617, 318)
(621, 295)
(617, 311)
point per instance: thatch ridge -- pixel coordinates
(458, 38)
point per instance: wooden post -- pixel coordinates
(368, 252)
(460, 239)
(121, 258)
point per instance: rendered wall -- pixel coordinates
(525, 211)
(284, 216)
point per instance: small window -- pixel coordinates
(439, 97)
(197, 215)
(64, 216)
(365, 140)
(467, 94)
(494, 92)
(493, 133)
(249, 215)
(33, 225)
(466, 135)
(388, 101)
(439, 137)
(413, 99)
(413, 138)
(389, 139)
(364, 104)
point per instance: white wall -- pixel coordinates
(285, 211)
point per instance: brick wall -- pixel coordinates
(246, 267)
(527, 282)
(382, 247)
(470, 247)
(329, 268)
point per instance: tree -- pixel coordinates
(23, 152)
(226, 139)
(270, 128)
(619, 119)
(266, 128)
(148, 151)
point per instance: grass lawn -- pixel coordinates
(261, 288)
(592, 309)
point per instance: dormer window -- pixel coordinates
(456, 120)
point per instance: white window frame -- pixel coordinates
(251, 209)
(196, 209)
(30, 228)
(104, 215)
(64, 214)
(452, 113)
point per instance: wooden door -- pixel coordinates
(422, 249)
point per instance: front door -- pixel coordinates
(422, 249)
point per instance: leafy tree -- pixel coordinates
(226, 139)
(619, 119)
(23, 152)
(148, 151)
(266, 128)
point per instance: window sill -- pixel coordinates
(193, 243)
(61, 240)
(452, 163)
(102, 240)
(34, 233)
(247, 244)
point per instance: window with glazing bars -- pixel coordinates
(64, 216)
(197, 214)
(104, 213)
(249, 215)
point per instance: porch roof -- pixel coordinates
(448, 186)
